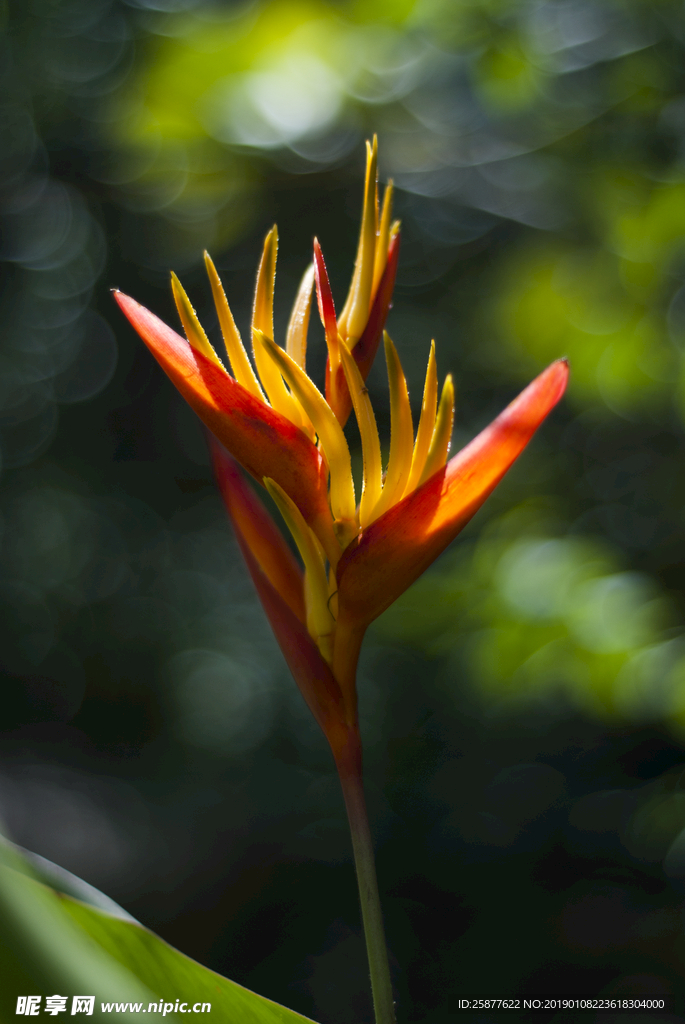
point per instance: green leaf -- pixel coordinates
(43, 950)
(174, 975)
(58, 878)
(53, 943)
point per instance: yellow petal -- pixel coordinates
(426, 424)
(296, 338)
(330, 434)
(371, 445)
(401, 433)
(442, 435)
(191, 325)
(383, 240)
(320, 622)
(263, 323)
(240, 364)
(352, 320)
(263, 309)
(279, 396)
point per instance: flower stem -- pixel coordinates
(349, 769)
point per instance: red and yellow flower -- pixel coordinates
(358, 555)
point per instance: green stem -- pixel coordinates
(349, 768)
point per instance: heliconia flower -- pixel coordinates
(358, 555)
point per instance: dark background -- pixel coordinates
(523, 706)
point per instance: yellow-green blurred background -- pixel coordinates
(523, 706)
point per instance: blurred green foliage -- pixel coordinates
(539, 615)
(607, 305)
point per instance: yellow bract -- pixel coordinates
(296, 338)
(442, 433)
(320, 622)
(426, 423)
(383, 240)
(401, 433)
(331, 437)
(263, 325)
(240, 364)
(355, 313)
(371, 445)
(191, 325)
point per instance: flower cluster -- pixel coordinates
(358, 555)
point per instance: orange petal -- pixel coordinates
(263, 441)
(391, 553)
(311, 673)
(256, 527)
(365, 350)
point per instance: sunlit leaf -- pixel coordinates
(53, 943)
